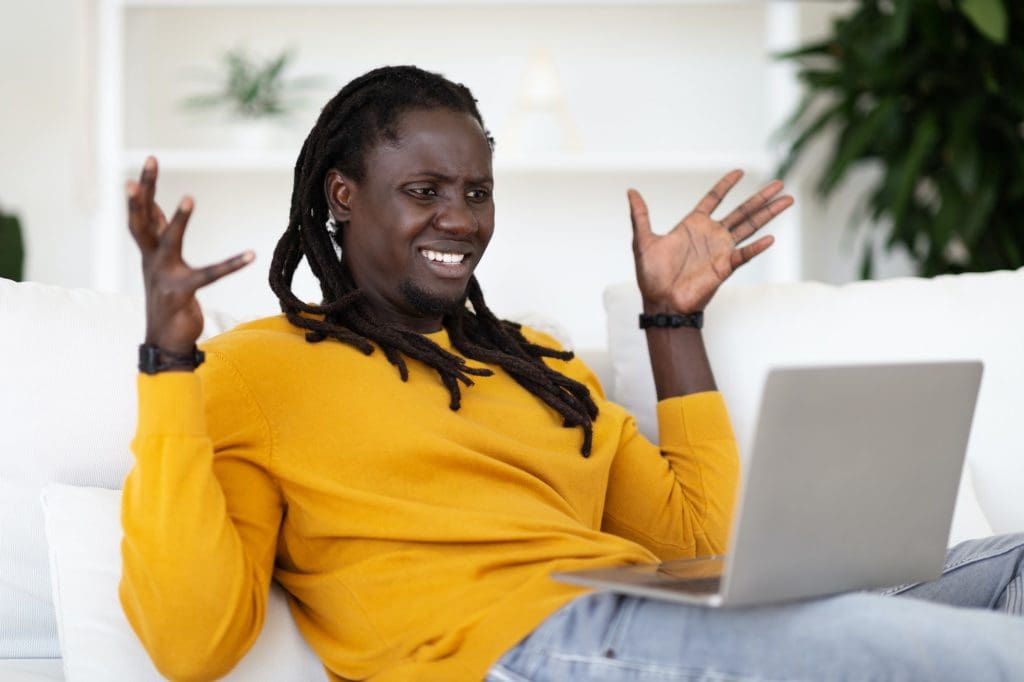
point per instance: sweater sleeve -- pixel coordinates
(200, 514)
(676, 502)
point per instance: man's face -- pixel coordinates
(419, 221)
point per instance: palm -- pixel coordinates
(681, 270)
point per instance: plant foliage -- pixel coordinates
(12, 247)
(252, 87)
(933, 92)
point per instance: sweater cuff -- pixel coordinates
(170, 403)
(696, 418)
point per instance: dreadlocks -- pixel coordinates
(364, 113)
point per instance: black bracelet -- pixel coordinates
(153, 359)
(673, 321)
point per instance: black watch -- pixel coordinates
(673, 320)
(153, 359)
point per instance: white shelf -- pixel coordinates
(201, 160)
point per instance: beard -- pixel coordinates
(428, 302)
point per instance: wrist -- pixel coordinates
(170, 345)
(654, 307)
(154, 359)
(692, 321)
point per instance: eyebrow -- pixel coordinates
(484, 179)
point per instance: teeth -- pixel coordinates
(442, 257)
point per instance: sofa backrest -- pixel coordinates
(750, 329)
(67, 400)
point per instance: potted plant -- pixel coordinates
(254, 92)
(932, 92)
(12, 247)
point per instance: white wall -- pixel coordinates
(45, 135)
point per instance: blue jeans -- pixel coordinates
(859, 636)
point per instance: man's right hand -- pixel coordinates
(174, 319)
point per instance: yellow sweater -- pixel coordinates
(415, 541)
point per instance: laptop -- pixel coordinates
(850, 485)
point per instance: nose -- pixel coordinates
(456, 218)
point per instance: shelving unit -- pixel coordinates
(663, 102)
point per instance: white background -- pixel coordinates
(658, 82)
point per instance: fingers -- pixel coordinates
(140, 206)
(749, 207)
(211, 273)
(755, 221)
(639, 217)
(147, 180)
(743, 255)
(713, 198)
(138, 217)
(171, 236)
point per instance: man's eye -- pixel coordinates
(478, 194)
(423, 191)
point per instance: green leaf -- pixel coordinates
(825, 47)
(989, 17)
(1010, 248)
(12, 248)
(900, 21)
(952, 205)
(809, 132)
(273, 71)
(820, 78)
(867, 262)
(909, 172)
(855, 141)
(977, 214)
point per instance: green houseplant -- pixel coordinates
(12, 247)
(251, 87)
(932, 91)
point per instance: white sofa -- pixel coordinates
(67, 400)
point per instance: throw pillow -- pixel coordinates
(83, 529)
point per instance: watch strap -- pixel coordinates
(154, 359)
(672, 320)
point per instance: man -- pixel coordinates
(411, 469)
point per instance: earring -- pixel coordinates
(332, 229)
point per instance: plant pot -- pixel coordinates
(253, 133)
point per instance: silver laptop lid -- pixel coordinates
(886, 443)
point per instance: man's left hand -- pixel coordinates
(681, 271)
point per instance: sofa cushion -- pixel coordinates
(83, 531)
(750, 329)
(68, 405)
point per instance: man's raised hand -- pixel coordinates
(681, 271)
(174, 319)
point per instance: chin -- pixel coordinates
(431, 302)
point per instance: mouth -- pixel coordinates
(447, 264)
(443, 257)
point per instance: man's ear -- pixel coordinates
(338, 192)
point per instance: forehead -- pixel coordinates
(441, 141)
